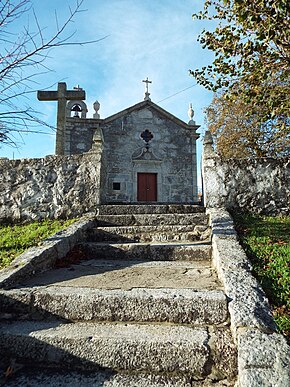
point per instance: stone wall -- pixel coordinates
(51, 187)
(258, 185)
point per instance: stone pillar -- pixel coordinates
(212, 175)
(195, 136)
(194, 171)
(95, 155)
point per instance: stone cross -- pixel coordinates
(62, 95)
(147, 91)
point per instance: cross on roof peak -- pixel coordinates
(147, 94)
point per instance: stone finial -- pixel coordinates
(208, 140)
(190, 113)
(96, 106)
(208, 148)
(97, 140)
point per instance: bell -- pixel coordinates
(77, 109)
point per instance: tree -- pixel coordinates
(251, 44)
(238, 135)
(22, 58)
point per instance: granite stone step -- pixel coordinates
(153, 252)
(152, 219)
(180, 306)
(161, 233)
(161, 291)
(151, 348)
(124, 209)
(48, 378)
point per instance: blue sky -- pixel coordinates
(145, 38)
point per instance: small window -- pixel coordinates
(116, 186)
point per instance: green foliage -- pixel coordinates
(252, 54)
(18, 238)
(267, 243)
(238, 135)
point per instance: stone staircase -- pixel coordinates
(136, 303)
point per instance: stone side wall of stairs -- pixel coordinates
(123, 301)
(263, 354)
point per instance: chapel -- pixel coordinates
(147, 154)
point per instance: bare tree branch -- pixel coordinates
(22, 59)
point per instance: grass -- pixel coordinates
(266, 241)
(15, 239)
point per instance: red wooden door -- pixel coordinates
(147, 187)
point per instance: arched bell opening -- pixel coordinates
(77, 109)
